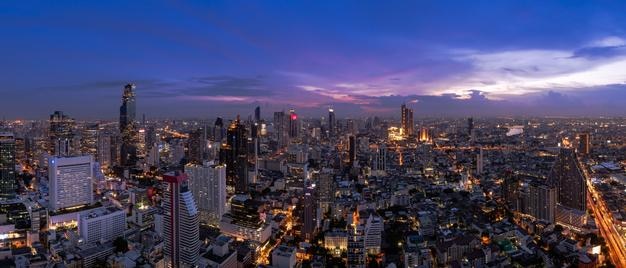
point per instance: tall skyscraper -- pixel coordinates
(235, 155)
(128, 129)
(542, 201)
(570, 181)
(180, 222)
(257, 114)
(71, 181)
(584, 143)
(352, 149)
(61, 134)
(470, 126)
(103, 151)
(280, 129)
(294, 124)
(218, 129)
(196, 145)
(479, 161)
(208, 186)
(407, 120)
(356, 244)
(332, 122)
(8, 183)
(309, 214)
(380, 158)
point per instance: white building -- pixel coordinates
(284, 257)
(208, 186)
(102, 224)
(373, 231)
(245, 232)
(71, 181)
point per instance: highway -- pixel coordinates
(614, 241)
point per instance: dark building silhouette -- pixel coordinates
(352, 149)
(569, 180)
(61, 134)
(128, 128)
(332, 123)
(257, 114)
(218, 129)
(235, 155)
(8, 184)
(407, 120)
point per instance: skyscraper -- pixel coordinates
(196, 145)
(180, 222)
(294, 124)
(71, 181)
(380, 158)
(479, 161)
(128, 129)
(332, 122)
(235, 155)
(407, 120)
(208, 186)
(8, 184)
(570, 181)
(61, 134)
(218, 129)
(280, 129)
(542, 201)
(257, 114)
(309, 214)
(584, 143)
(352, 149)
(470, 126)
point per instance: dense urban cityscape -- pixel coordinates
(290, 191)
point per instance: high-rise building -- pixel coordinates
(196, 145)
(406, 120)
(89, 139)
(218, 129)
(309, 214)
(257, 114)
(470, 126)
(180, 222)
(71, 181)
(8, 183)
(102, 224)
(208, 186)
(373, 234)
(128, 128)
(380, 158)
(332, 122)
(244, 221)
(584, 143)
(234, 154)
(356, 245)
(542, 201)
(294, 124)
(352, 149)
(479, 161)
(61, 134)
(326, 190)
(570, 181)
(280, 129)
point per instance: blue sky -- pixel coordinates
(209, 58)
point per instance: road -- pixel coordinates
(614, 241)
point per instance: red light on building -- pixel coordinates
(294, 116)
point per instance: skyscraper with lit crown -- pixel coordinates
(128, 128)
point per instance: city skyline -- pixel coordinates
(222, 59)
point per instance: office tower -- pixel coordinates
(479, 161)
(234, 154)
(128, 129)
(407, 120)
(208, 186)
(352, 149)
(309, 214)
(294, 124)
(470, 126)
(20, 150)
(570, 181)
(326, 190)
(373, 234)
(356, 244)
(89, 139)
(195, 146)
(332, 122)
(218, 129)
(424, 136)
(257, 114)
(380, 158)
(8, 183)
(280, 129)
(584, 143)
(103, 151)
(542, 200)
(244, 221)
(102, 224)
(180, 222)
(71, 181)
(61, 134)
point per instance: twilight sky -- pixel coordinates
(209, 58)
